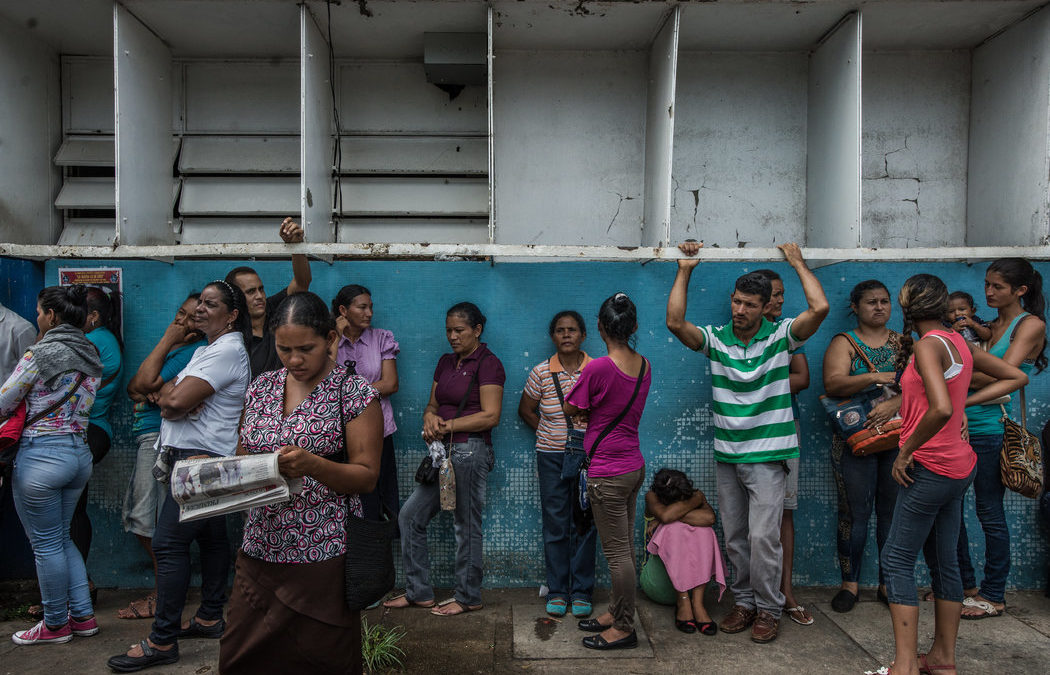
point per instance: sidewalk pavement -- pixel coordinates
(513, 635)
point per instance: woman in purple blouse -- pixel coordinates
(374, 353)
(287, 612)
(473, 376)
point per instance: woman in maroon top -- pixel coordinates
(473, 376)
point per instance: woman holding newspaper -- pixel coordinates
(197, 409)
(288, 612)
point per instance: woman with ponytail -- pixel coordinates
(612, 391)
(57, 378)
(1015, 290)
(934, 468)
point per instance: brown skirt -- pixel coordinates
(290, 618)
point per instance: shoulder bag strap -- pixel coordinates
(561, 396)
(860, 353)
(619, 418)
(55, 406)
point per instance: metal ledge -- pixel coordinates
(531, 253)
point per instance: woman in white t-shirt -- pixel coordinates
(199, 409)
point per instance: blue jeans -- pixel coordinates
(171, 545)
(50, 472)
(569, 557)
(926, 517)
(472, 462)
(863, 483)
(988, 490)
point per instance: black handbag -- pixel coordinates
(573, 459)
(369, 562)
(426, 472)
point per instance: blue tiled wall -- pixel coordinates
(519, 299)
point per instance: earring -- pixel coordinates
(229, 326)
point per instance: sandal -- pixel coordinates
(142, 608)
(707, 627)
(402, 601)
(459, 608)
(988, 610)
(799, 615)
(926, 669)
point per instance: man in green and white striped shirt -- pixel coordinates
(754, 427)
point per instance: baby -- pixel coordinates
(962, 314)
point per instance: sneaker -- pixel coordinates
(765, 628)
(738, 619)
(85, 628)
(41, 634)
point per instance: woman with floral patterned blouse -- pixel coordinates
(287, 612)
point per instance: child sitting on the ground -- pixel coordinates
(686, 544)
(963, 315)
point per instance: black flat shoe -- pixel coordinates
(688, 626)
(197, 630)
(598, 642)
(707, 627)
(843, 601)
(122, 663)
(591, 625)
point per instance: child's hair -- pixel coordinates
(964, 296)
(671, 485)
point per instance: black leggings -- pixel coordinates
(80, 527)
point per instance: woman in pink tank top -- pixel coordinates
(934, 468)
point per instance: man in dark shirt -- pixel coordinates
(262, 353)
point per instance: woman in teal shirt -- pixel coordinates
(103, 330)
(1015, 289)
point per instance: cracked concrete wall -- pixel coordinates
(916, 115)
(569, 149)
(739, 169)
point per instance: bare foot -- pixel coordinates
(453, 607)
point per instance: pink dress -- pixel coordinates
(690, 554)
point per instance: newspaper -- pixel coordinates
(213, 486)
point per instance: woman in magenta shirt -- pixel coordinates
(934, 468)
(613, 389)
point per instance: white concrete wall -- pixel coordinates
(30, 133)
(570, 155)
(915, 138)
(739, 172)
(1010, 142)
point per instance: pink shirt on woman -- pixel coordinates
(946, 453)
(604, 390)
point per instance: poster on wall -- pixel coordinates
(109, 279)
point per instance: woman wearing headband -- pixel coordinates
(199, 409)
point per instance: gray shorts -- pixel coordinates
(791, 486)
(144, 499)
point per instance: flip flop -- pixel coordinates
(988, 610)
(408, 603)
(799, 615)
(132, 612)
(463, 609)
(926, 669)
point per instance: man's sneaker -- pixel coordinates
(85, 628)
(738, 619)
(765, 628)
(41, 634)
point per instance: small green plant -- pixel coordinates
(379, 647)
